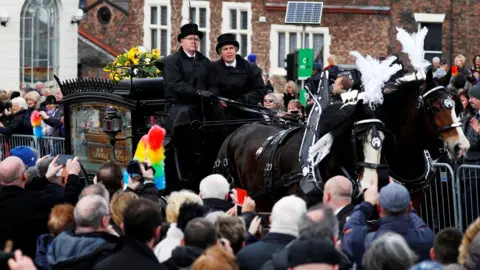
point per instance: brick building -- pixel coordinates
(368, 26)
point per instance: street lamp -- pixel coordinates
(4, 17)
(112, 125)
(77, 17)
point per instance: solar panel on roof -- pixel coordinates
(304, 12)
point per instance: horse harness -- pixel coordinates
(266, 152)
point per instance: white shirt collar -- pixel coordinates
(339, 209)
(233, 64)
(189, 55)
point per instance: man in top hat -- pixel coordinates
(233, 77)
(185, 74)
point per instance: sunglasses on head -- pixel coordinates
(268, 100)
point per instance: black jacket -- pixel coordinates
(132, 254)
(183, 77)
(147, 190)
(182, 257)
(343, 215)
(213, 204)
(17, 123)
(243, 83)
(24, 212)
(279, 261)
(252, 257)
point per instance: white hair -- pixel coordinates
(436, 59)
(213, 216)
(21, 102)
(214, 186)
(389, 251)
(286, 214)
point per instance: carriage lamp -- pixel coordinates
(4, 18)
(112, 123)
(77, 17)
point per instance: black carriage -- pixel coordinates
(139, 104)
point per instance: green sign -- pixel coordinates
(303, 97)
(305, 63)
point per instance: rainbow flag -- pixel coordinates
(150, 148)
(156, 154)
(36, 124)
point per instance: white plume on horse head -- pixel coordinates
(374, 75)
(413, 46)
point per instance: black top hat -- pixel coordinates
(189, 29)
(225, 39)
(50, 100)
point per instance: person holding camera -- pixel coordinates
(396, 215)
(296, 110)
(15, 123)
(140, 180)
(25, 207)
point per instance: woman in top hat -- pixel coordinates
(51, 117)
(185, 75)
(233, 77)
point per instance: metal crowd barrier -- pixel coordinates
(439, 208)
(468, 193)
(44, 146)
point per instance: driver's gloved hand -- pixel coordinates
(209, 96)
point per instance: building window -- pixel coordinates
(237, 19)
(198, 12)
(157, 26)
(104, 15)
(285, 39)
(433, 40)
(39, 41)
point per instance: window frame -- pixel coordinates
(197, 5)
(276, 29)
(148, 26)
(239, 7)
(430, 18)
(53, 60)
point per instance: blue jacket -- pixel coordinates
(413, 229)
(43, 242)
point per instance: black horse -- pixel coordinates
(264, 159)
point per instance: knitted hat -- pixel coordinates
(252, 57)
(474, 91)
(26, 154)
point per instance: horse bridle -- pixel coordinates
(424, 101)
(363, 126)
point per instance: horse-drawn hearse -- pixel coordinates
(393, 126)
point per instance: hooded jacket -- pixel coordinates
(80, 251)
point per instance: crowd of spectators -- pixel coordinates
(55, 221)
(16, 108)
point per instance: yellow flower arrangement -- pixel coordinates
(137, 56)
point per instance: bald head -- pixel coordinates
(337, 192)
(11, 170)
(91, 213)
